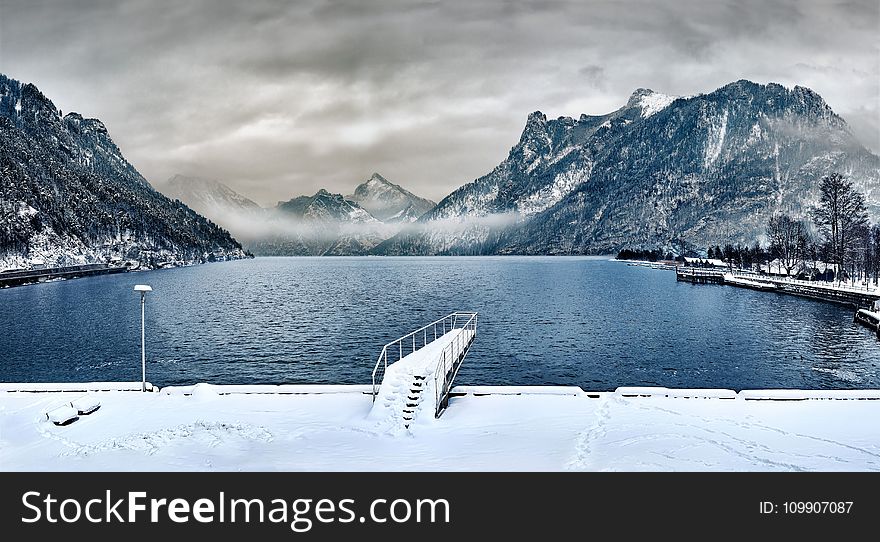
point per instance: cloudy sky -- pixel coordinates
(279, 98)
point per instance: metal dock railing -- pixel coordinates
(447, 361)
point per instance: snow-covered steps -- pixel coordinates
(409, 382)
(413, 398)
(419, 382)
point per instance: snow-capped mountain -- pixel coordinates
(389, 202)
(324, 223)
(661, 171)
(321, 225)
(209, 198)
(326, 208)
(68, 196)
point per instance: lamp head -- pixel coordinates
(142, 288)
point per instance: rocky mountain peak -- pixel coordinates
(637, 96)
(536, 126)
(648, 101)
(86, 202)
(661, 172)
(210, 198)
(389, 202)
(376, 178)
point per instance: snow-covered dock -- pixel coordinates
(834, 293)
(869, 318)
(206, 427)
(427, 361)
(746, 283)
(699, 276)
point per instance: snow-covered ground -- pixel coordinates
(491, 428)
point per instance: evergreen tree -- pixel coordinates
(875, 250)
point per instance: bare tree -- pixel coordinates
(875, 250)
(812, 255)
(840, 215)
(859, 255)
(788, 240)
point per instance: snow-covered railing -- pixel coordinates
(413, 341)
(699, 275)
(830, 285)
(699, 271)
(450, 362)
(842, 287)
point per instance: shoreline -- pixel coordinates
(807, 289)
(747, 394)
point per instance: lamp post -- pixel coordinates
(143, 289)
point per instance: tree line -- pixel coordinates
(835, 241)
(647, 255)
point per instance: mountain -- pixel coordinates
(325, 208)
(67, 195)
(389, 202)
(669, 172)
(321, 225)
(211, 199)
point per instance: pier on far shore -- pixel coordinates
(812, 289)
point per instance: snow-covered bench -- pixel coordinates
(62, 415)
(85, 405)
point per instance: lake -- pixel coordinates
(579, 321)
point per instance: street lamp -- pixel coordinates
(143, 289)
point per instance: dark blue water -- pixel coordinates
(569, 321)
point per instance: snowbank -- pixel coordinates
(486, 428)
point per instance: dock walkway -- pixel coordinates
(813, 289)
(428, 360)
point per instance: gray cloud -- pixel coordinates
(279, 99)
